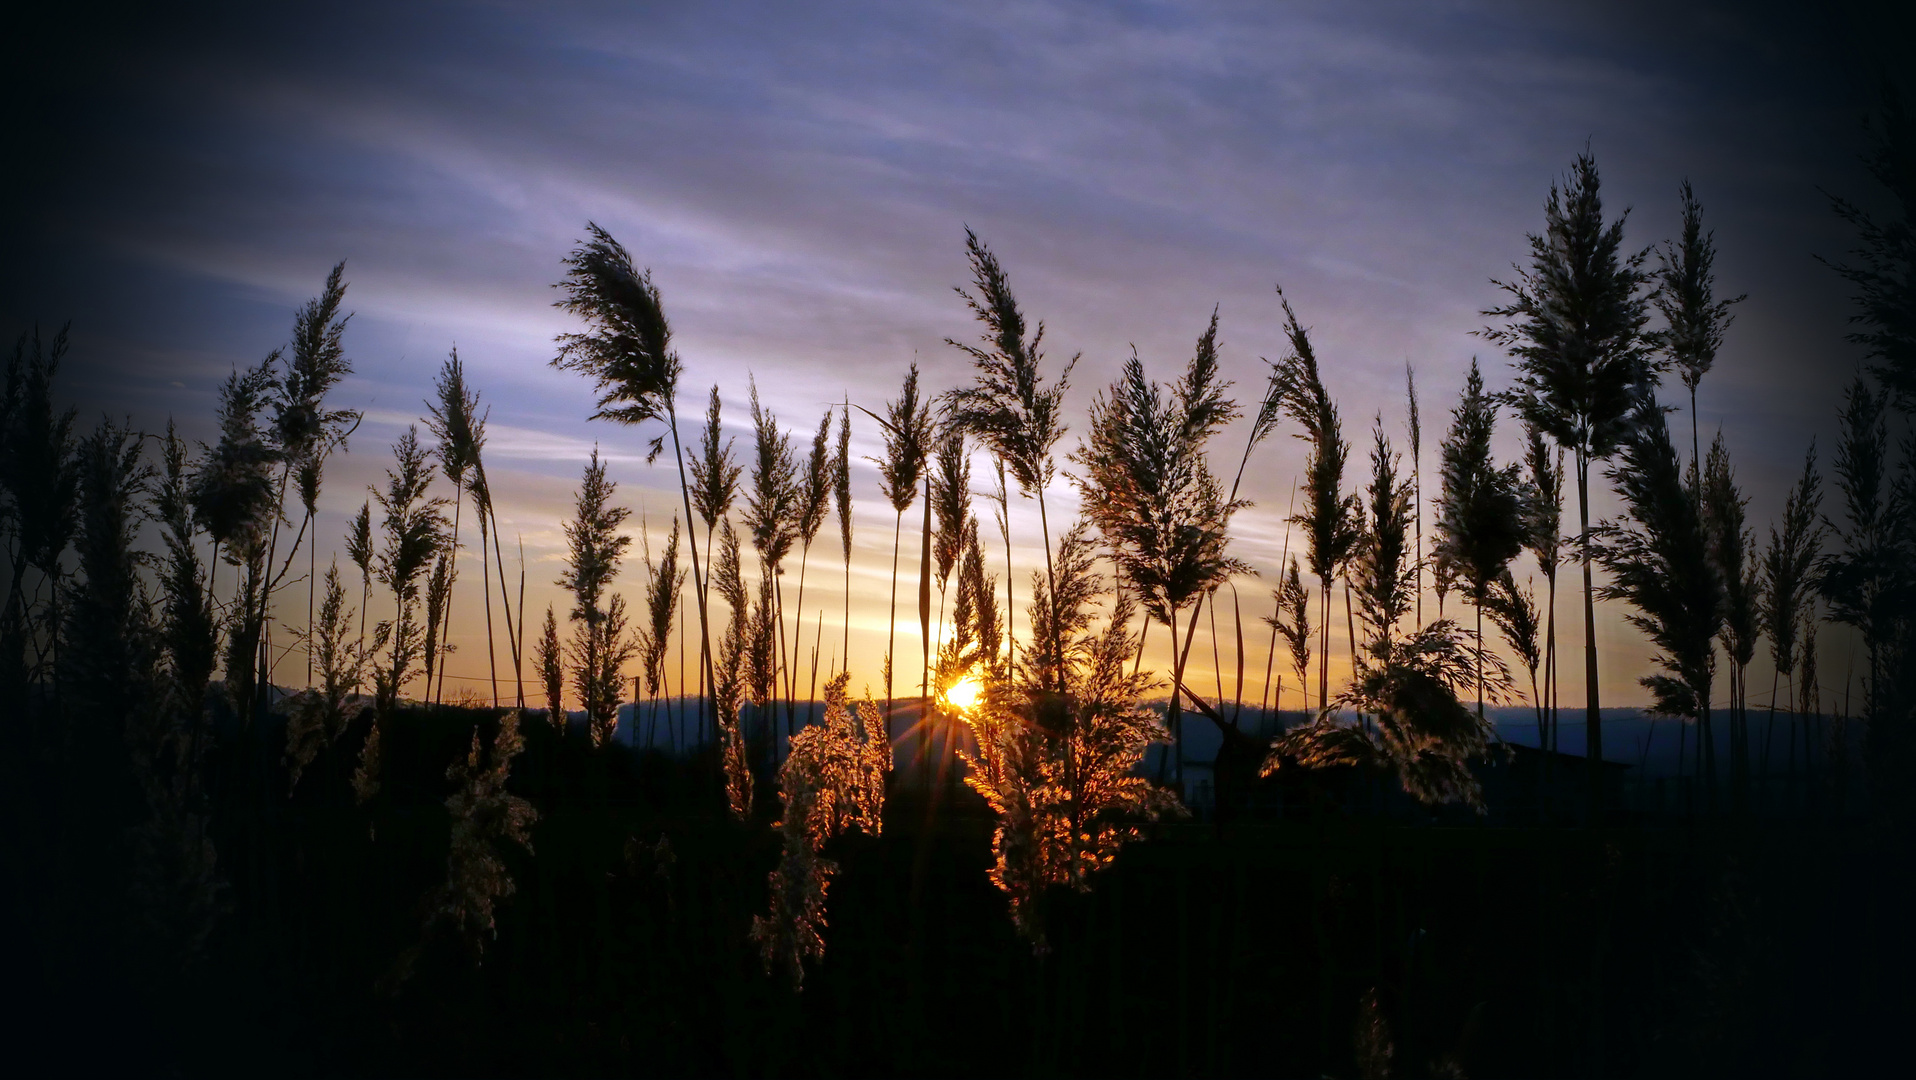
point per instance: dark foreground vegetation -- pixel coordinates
(1322, 944)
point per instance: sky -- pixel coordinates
(798, 179)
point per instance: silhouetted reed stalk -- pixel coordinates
(1544, 540)
(414, 529)
(1291, 597)
(1732, 549)
(1150, 493)
(1575, 329)
(714, 490)
(1685, 296)
(663, 582)
(1483, 510)
(629, 359)
(1009, 408)
(1513, 608)
(1269, 412)
(1789, 582)
(1660, 563)
(842, 497)
(359, 548)
(1001, 502)
(233, 498)
(1405, 691)
(814, 501)
(771, 505)
(1857, 580)
(1276, 701)
(305, 432)
(908, 433)
(454, 419)
(600, 645)
(1329, 517)
(38, 474)
(548, 658)
(1414, 422)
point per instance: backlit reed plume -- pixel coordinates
(629, 358)
(832, 780)
(1482, 509)
(951, 502)
(1060, 768)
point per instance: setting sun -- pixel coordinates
(963, 694)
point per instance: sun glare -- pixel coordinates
(963, 694)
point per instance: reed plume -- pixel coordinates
(1733, 550)
(908, 436)
(414, 528)
(1482, 511)
(1008, 407)
(1150, 493)
(1686, 298)
(842, 497)
(549, 659)
(1060, 769)
(1574, 327)
(814, 501)
(454, 418)
(1659, 561)
(833, 780)
(1789, 583)
(628, 356)
(1329, 519)
(600, 644)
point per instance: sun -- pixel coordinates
(964, 693)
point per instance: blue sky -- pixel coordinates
(798, 178)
